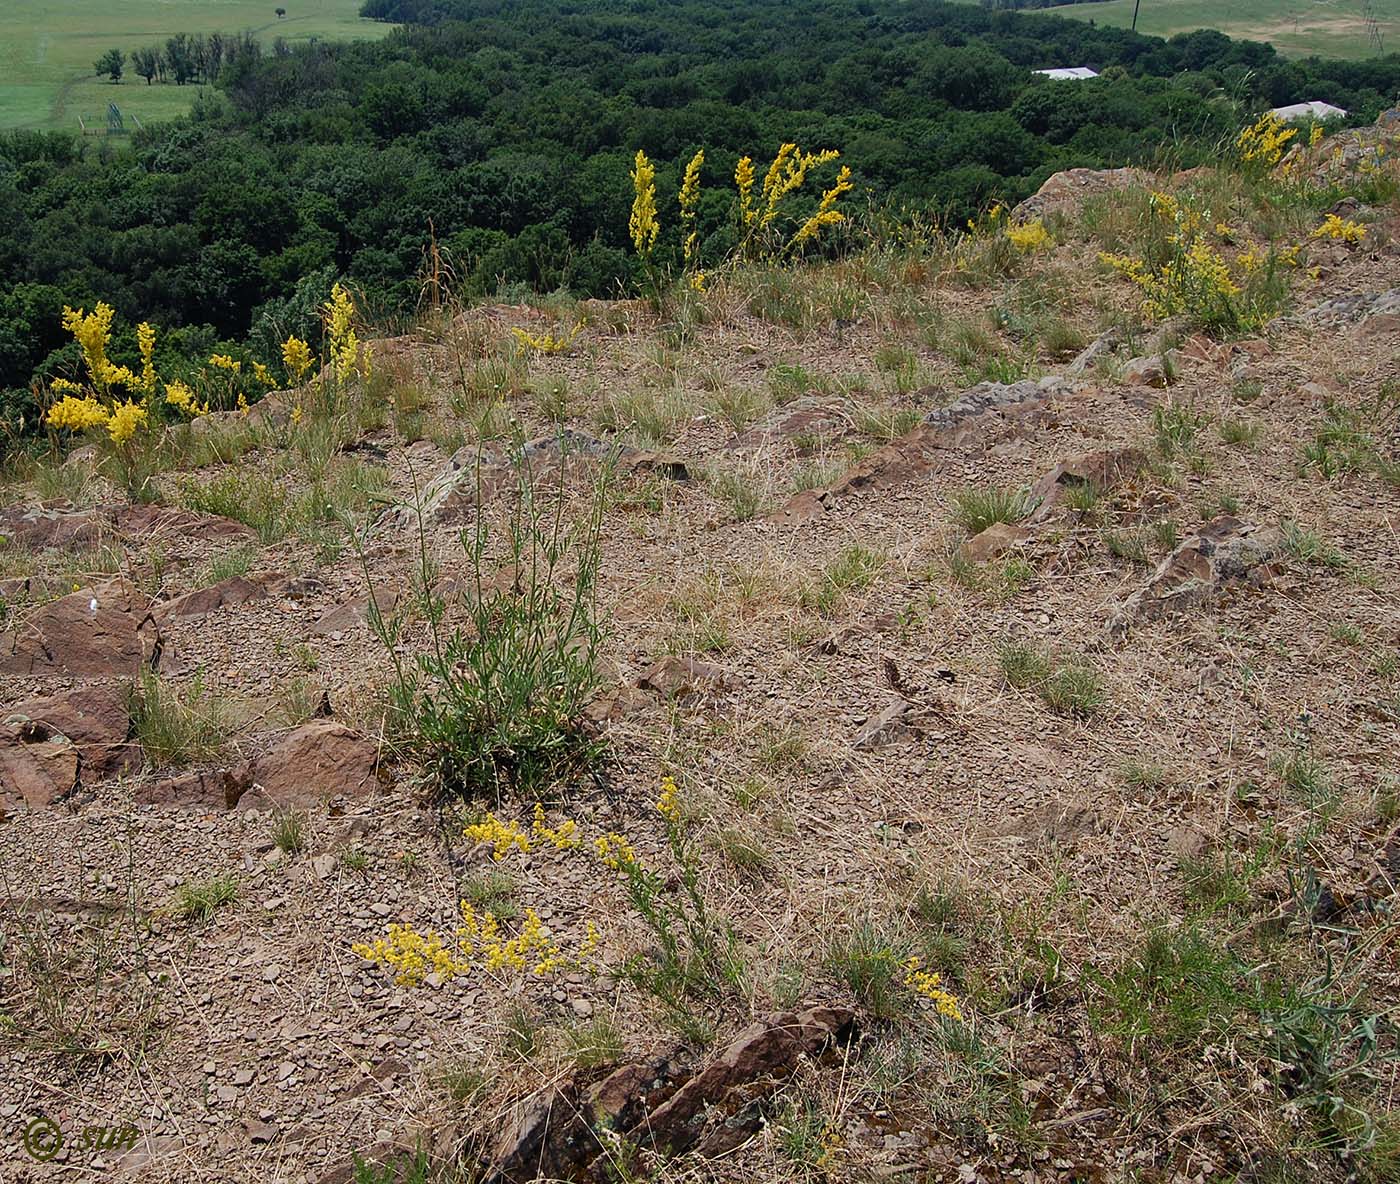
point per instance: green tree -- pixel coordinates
(111, 63)
(146, 62)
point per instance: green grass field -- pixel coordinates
(1332, 28)
(47, 48)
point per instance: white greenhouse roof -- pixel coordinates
(1068, 73)
(1313, 110)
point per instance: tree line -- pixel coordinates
(184, 58)
(511, 133)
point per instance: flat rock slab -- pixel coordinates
(38, 527)
(312, 763)
(100, 632)
(804, 423)
(975, 412)
(476, 474)
(1067, 191)
(566, 1132)
(228, 593)
(995, 541)
(1102, 470)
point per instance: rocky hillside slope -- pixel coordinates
(992, 772)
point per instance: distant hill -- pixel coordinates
(1297, 28)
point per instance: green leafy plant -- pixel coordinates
(496, 705)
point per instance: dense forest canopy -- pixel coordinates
(508, 128)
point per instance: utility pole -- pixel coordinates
(1136, 5)
(1373, 28)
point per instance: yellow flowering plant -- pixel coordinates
(1261, 145)
(546, 343)
(1340, 230)
(296, 357)
(643, 225)
(348, 358)
(82, 409)
(1179, 271)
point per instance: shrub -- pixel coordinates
(497, 704)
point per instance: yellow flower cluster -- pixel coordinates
(124, 421)
(1264, 141)
(502, 836)
(688, 199)
(563, 837)
(180, 396)
(929, 985)
(505, 837)
(347, 359)
(615, 851)
(296, 356)
(668, 805)
(827, 214)
(743, 181)
(786, 175)
(642, 225)
(224, 362)
(1315, 137)
(1029, 236)
(93, 332)
(76, 415)
(546, 343)
(1341, 229)
(479, 942)
(412, 955)
(146, 343)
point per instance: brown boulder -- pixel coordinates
(225, 594)
(994, 541)
(94, 719)
(1102, 469)
(213, 789)
(705, 1109)
(1066, 192)
(99, 632)
(34, 774)
(674, 677)
(314, 762)
(60, 525)
(1224, 551)
(353, 613)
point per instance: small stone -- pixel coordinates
(581, 1007)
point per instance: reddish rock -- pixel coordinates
(95, 720)
(99, 632)
(353, 613)
(755, 1064)
(618, 703)
(674, 677)
(225, 594)
(314, 762)
(212, 789)
(34, 774)
(1224, 551)
(38, 527)
(803, 420)
(996, 540)
(1066, 192)
(1102, 470)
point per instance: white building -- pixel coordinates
(1068, 73)
(1313, 110)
